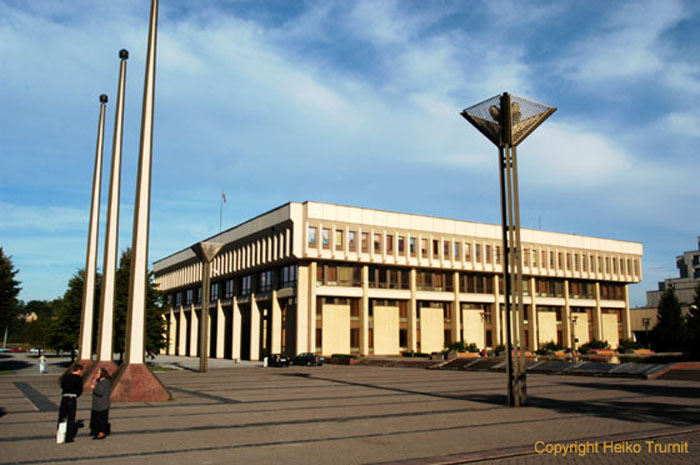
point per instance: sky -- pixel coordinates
(349, 102)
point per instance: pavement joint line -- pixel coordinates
(526, 450)
(273, 443)
(220, 399)
(321, 420)
(40, 401)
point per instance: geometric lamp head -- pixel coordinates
(507, 119)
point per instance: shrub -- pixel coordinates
(548, 348)
(472, 347)
(594, 344)
(628, 345)
(455, 347)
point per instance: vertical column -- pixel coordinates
(312, 270)
(172, 333)
(303, 309)
(87, 315)
(626, 326)
(567, 335)
(220, 329)
(254, 329)
(597, 315)
(534, 340)
(412, 313)
(276, 343)
(236, 328)
(194, 325)
(456, 309)
(182, 331)
(364, 312)
(496, 335)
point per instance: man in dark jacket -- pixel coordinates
(72, 387)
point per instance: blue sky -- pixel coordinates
(350, 102)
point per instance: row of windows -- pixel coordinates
(453, 250)
(265, 281)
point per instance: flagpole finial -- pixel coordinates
(103, 98)
(124, 54)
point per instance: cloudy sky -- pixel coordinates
(350, 102)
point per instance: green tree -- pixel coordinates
(38, 332)
(9, 290)
(670, 330)
(693, 322)
(154, 324)
(65, 326)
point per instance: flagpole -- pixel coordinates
(221, 211)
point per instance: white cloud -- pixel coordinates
(45, 218)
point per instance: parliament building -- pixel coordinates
(333, 279)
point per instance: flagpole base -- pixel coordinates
(134, 382)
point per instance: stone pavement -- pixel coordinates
(361, 415)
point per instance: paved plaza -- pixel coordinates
(247, 414)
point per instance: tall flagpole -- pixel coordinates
(87, 316)
(105, 347)
(134, 381)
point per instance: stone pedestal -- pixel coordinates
(89, 373)
(134, 382)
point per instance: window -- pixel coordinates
(289, 276)
(543, 262)
(188, 297)
(446, 250)
(477, 252)
(436, 248)
(575, 262)
(352, 241)
(551, 259)
(534, 258)
(389, 244)
(338, 239)
(424, 248)
(326, 238)
(339, 274)
(365, 242)
(456, 250)
(377, 243)
(402, 245)
(311, 235)
(214, 292)
(228, 289)
(412, 246)
(246, 285)
(467, 251)
(487, 253)
(560, 261)
(178, 299)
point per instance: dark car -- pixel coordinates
(307, 359)
(277, 360)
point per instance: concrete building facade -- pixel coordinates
(323, 278)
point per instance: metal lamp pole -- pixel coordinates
(506, 120)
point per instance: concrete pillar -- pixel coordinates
(456, 310)
(496, 336)
(626, 325)
(182, 329)
(236, 328)
(220, 329)
(567, 330)
(303, 322)
(194, 326)
(254, 329)
(276, 343)
(311, 323)
(412, 312)
(364, 312)
(172, 333)
(597, 315)
(534, 341)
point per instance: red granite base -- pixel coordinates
(89, 375)
(136, 383)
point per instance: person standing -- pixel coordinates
(42, 364)
(72, 388)
(99, 416)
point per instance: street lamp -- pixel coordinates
(506, 120)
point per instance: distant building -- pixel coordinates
(316, 277)
(688, 265)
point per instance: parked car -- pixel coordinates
(35, 350)
(17, 350)
(307, 359)
(277, 360)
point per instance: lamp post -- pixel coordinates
(205, 251)
(574, 339)
(506, 120)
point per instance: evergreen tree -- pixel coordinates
(670, 331)
(154, 324)
(65, 328)
(9, 290)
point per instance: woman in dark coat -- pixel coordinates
(99, 416)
